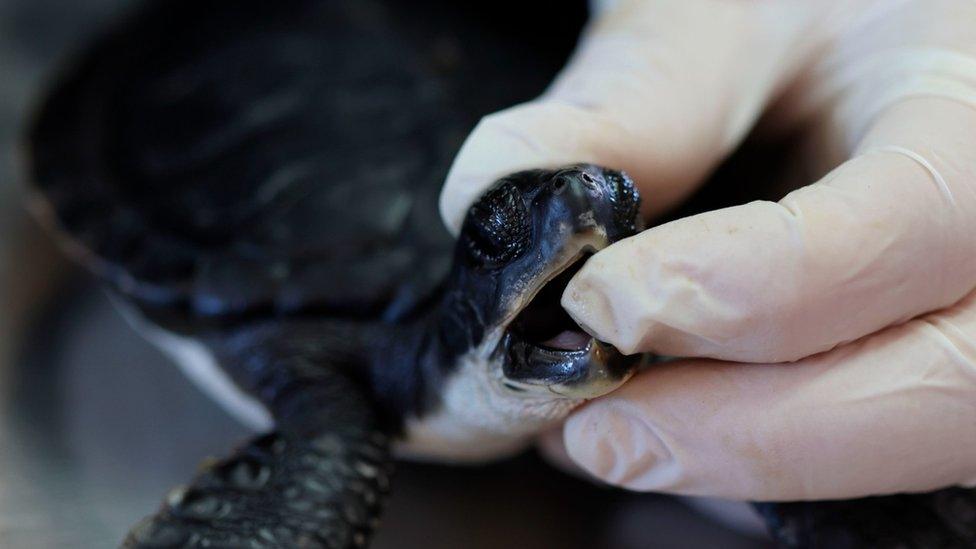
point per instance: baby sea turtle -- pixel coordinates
(256, 181)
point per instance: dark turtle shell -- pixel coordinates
(257, 160)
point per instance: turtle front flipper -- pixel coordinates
(944, 519)
(319, 480)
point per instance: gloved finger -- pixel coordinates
(883, 53)
(885, 237)
(662, 89)
(551, 447)
(734, 514)
(893, 412)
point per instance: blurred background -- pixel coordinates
(96, 425)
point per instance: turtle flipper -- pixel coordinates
(277, 491)
(318, 481)
(945, 519)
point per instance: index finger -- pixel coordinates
(884, 238)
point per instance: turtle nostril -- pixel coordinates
(587, 177)
(559, 184)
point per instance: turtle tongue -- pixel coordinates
(569, 340)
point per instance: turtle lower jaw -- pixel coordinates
(593, 370)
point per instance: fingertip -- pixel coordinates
(592, 300)
(533, 135)
(611, 442)
(587, 443)
(552, 447)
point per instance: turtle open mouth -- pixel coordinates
(544, 323)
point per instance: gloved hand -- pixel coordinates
(851, 299)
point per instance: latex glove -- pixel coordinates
(864, 278)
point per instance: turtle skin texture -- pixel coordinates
(318, 481)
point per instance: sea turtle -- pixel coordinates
(256, 182)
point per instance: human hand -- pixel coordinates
(862, 282)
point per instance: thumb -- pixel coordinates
(662, 89)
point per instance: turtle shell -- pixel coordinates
(227, 159)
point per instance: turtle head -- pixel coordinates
(520, 244)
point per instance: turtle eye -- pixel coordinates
(625, 198)
(497, 227)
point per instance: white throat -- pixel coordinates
(479, 418)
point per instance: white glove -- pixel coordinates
(864, 278)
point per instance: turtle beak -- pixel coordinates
(547, 352)
(591, 371)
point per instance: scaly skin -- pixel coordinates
(318, 481)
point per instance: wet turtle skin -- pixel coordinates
(263, 177)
